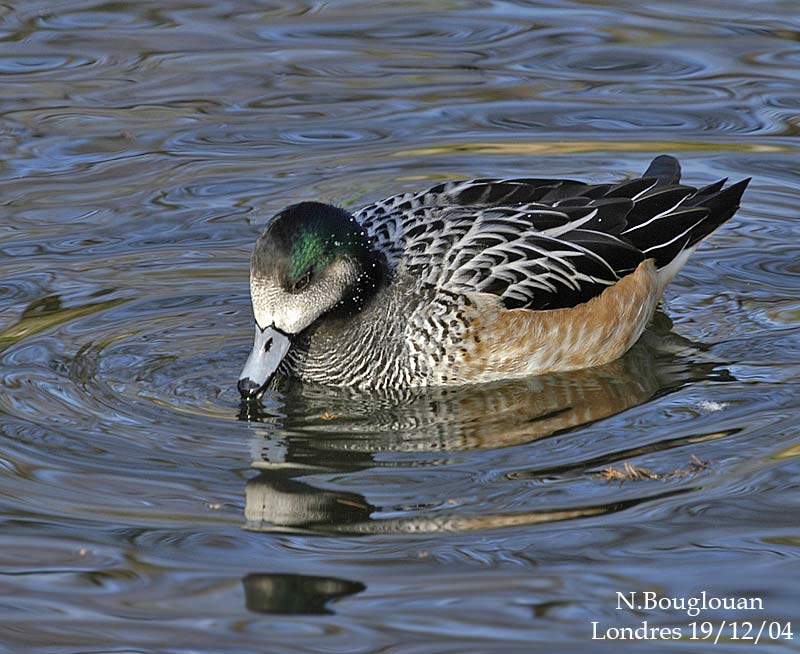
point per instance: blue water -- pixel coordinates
(143, 147)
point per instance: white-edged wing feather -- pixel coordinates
(545, 243)
(531, 256)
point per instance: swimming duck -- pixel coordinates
(472, 281)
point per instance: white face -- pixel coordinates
(290, 312)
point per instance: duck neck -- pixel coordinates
(370, 280)
(353, 347)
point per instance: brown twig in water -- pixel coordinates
(631, 472)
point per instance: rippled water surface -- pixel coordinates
(143, 146)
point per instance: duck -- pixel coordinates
(472, 281)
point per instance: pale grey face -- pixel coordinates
(292, 310)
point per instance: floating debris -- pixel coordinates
(631, 472)
(707, 405)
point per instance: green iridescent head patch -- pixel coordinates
(308, 250)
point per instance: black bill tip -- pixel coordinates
(248, 389)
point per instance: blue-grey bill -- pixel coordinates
(269, 348)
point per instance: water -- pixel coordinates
(144, 145)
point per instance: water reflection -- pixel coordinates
(288, 594)
(322, 431)
(45, 312)
(274, 502)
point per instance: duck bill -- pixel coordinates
(269, 348)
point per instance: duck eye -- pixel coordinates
(301, 283)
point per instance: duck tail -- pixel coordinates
(669, 220)
(721, 204)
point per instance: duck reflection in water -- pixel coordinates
(320, 431)
(288, 594)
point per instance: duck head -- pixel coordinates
(312, 260)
